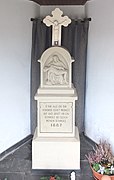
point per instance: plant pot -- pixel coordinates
(98, 176)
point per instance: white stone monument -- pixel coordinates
(56, 143)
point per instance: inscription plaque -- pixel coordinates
(56, 117)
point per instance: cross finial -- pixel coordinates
(56, 21)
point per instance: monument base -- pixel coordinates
(56, 153)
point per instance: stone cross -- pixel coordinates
(56, 21)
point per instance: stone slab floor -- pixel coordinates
(17, 166)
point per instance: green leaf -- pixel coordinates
(44, 178)
(58, 177)
(107, 171)
(96, 167)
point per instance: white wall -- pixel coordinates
(71, 11)
(15, 57)
(100, 71)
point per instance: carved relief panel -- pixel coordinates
(56, 68)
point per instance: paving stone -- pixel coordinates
(15, 165)
(84, 177)
(12, 176)
(85, 168)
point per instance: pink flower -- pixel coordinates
(52, 178)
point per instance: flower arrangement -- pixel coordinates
(101, 159)
(55, 177)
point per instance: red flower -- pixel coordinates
(52, 178)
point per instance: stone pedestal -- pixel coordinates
(56, 143)
(56, 112)
(56, 153)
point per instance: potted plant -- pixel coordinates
(55, 177)
(101, 161)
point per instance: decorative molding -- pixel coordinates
(59, 2)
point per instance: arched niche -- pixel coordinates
(56, 68)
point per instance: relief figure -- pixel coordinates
(56, 72)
